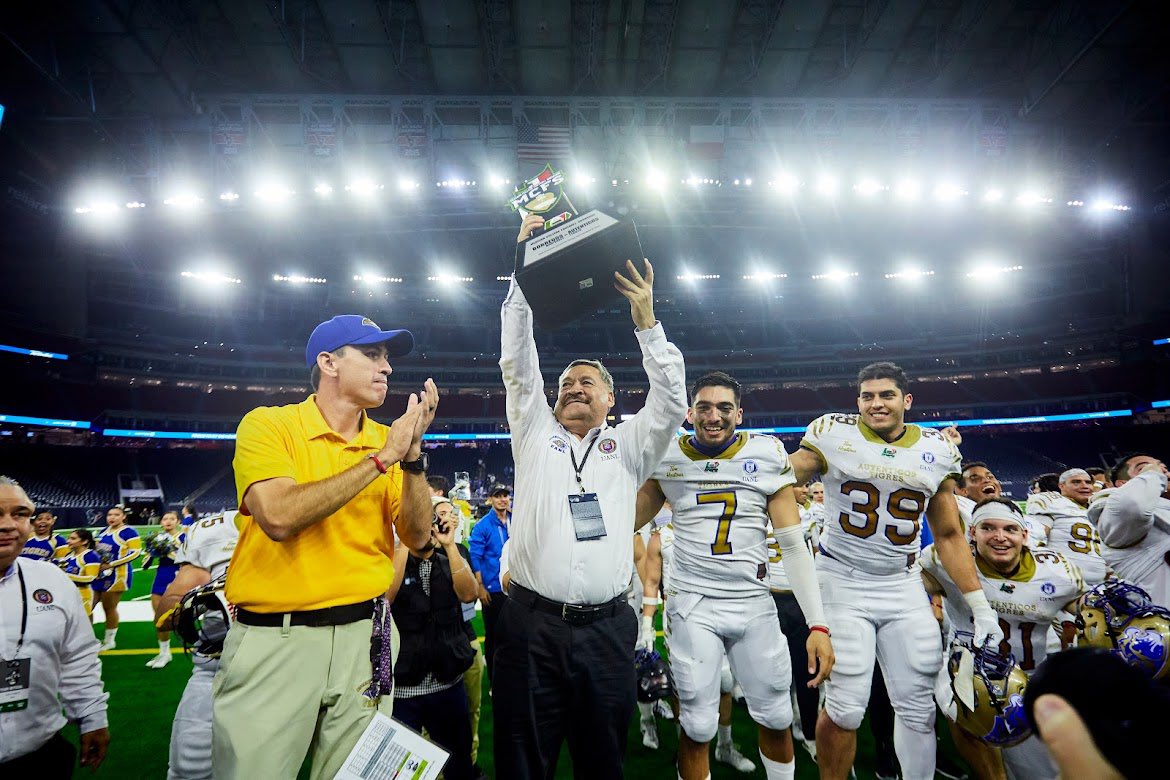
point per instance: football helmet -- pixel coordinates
(204, 617)
(654, 679)
(1120, 617)
(998, 717)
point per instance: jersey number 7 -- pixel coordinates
(722, 543)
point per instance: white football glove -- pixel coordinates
(647, 634)
(987, 630)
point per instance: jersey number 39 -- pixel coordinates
(903, 504)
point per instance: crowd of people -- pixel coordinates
(806, 583)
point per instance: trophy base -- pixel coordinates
(567, 273)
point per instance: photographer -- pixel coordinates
(428, 588)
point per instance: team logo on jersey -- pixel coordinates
(845, 447)
(42, 596)
(558, 444)
(928, 457)
(607, 446)
(712, 466)
(1008, 587)
(888, 452)
(1048, 589)
(673, 472)
(750, 467)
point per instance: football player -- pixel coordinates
(1134, 522)
(204, 557)
(881, 476)
(118, 546)
(1030, 590)
(1064, 520)
(44, 545)
(724, 488)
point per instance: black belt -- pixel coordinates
(573, 614)
(329, 616)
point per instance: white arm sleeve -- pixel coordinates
(802, 574)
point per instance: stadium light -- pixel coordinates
(687, 276)
(948, 192)
(785, 183)
(186, 201)
(992, 270)
(298, 279)
(910, 274)
(274, 193)
(323, 189)
(908, 190)
(827, 185)
(868, 187)
(497, 182)
(407, 185)
(229, 196)
(449, 279)
(836, 275)
(135, 204)
(105, 207)
(209, 277)
(992, 195)
(655, 179)
(1030, 198)
(374, 279)
(363, 188)
(763, 276)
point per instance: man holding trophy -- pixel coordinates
(563, 665)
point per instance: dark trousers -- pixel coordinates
(555, 682)
(444, 716)
(53, 760)
(491, 620)
(796, 632)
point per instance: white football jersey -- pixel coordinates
(876, 492)
(721, 512)
(1027, 603)
(1069, 533)
(210, 542)
(666, 537)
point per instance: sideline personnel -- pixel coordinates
(322, 489)
(564, 665)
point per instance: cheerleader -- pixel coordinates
(81, 563)
(162, 547)
(118, 546)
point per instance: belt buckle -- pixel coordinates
(576, 615)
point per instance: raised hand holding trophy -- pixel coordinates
(566, 270)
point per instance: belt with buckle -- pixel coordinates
(329, 616)
(573, 614)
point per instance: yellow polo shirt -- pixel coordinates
(343, 559)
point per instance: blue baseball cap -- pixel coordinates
(353, 329)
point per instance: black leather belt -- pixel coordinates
(329, 616)
(573, 614)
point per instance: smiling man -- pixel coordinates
(323, 490)
(882, 476)
(1064, 520)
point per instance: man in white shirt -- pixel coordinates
(48, 655)
(564, 663)
(1133, 520)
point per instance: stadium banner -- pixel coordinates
(321, 139)
(411, 141)
(566, 268)
(229, 138)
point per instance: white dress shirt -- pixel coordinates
(544, 554)
(1134, 523)
(60, 642)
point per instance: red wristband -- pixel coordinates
(378, 464)
(823, 629)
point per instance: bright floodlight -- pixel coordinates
(1032, 198)
(449, 279)
(183, 200)
(372, 280)
(908, 190)
(407, 185)
(785, 183)
(827, 185)
(989, 269)
(910, 274)
(687, 276)
(274, 193)
(363, 188)
(655, 179)
(324, 189)
(761, 275)
(993, 196)
(948, 192)
(497, 182)
(835, 275)
(229, 196)
(209, 277)
(298, 279)
(868, 187)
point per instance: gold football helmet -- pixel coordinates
(1120, 617)
(997, 716)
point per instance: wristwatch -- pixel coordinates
(416, 466)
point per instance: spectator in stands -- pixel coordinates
(487, 541)
(82, 564)
(44, 545)
(163, 547)
(429, 586)
(323, 491)
(50, 659)
(119, 545)
(1100, 478)
(1133, 520)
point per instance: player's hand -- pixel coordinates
(484, 596)
(93, 748)
(531, 224)
(402, 432)
(1069, 741)
(820, 657)
(646, 634)
(951, 434)
(639, 291)
(987, 630)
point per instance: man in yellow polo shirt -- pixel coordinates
(323, 490)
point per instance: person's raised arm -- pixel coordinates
(519, 361)
(415, 512)
(281, 506)
(1127, 513)
(655, 425)
(462, 578)
(954, 552)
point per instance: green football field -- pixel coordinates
(143, 702)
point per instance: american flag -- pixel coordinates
(543, 143)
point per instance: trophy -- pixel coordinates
(566, 269)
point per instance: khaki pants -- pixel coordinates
(282, 693)
(473, 684)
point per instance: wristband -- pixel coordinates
(651, 601)
(378, 464)
(823, 629)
